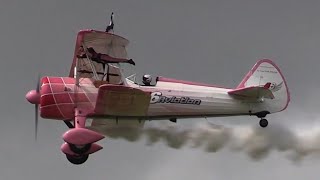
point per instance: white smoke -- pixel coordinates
(255, 141)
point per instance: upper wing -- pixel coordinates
(101, 42)
(253, 92)
(115, 100)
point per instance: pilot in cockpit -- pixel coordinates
(146, 80)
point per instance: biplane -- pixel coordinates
(97, 96)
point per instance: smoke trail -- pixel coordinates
(255, 141)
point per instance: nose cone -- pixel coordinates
(33, 97)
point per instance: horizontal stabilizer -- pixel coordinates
(253, 92)
(117, 100)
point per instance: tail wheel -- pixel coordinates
(77, 159)
(263, 123)
(80, 149)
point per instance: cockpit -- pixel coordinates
(145, 80)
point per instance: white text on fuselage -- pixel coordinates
(157, 97)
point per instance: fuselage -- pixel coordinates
(59, 96)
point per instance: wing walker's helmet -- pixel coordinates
(146, 79)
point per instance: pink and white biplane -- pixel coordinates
(97, 95)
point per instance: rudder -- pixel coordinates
(263, 72)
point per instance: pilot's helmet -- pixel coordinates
(146, 79)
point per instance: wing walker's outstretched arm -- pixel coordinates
(102, 58)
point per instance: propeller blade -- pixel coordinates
(36, 121)
(38, 84)
(37, 109)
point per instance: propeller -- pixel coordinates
(37, 109)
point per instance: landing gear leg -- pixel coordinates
(263, 123)
(80, 141)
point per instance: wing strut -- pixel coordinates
(90, 62)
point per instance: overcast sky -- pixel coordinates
(208, 41)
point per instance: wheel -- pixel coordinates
(77, 159)
(79, 149)
(263, 123)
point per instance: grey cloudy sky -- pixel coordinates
(209, 41)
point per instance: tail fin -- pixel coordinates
(266, 73)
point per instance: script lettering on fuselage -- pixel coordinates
(157, 97)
